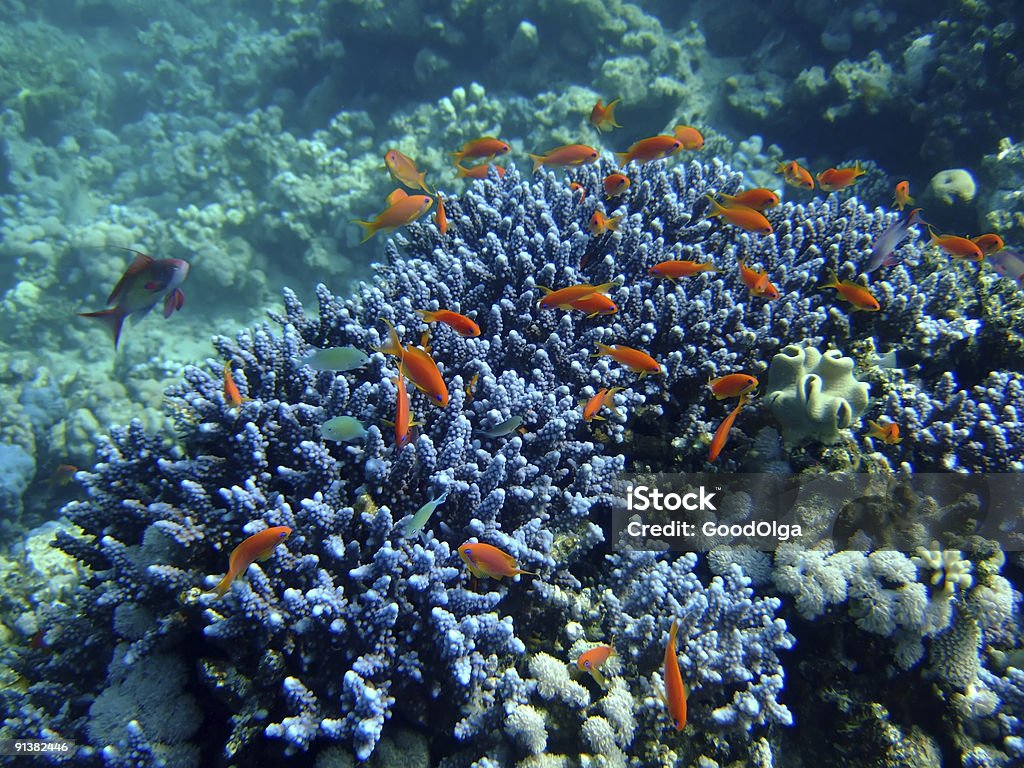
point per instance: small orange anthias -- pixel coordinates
(485, 146)
(759, 198)
(835, 179)
(757, 282)
(859, 296)
(231, 394)
(599, 223)
(602, 117)
(634, 359)
(259, 546)
(461, 324)
(653, 148)
(418, 366)
(741, 216)
(989, 243)
(487, 560)
(615, 184)
(566, 298)
(605, 398)
(675, 691)
(570, 154)
(956, 246)
(674, 268)
(795, 175)
(591, 661)
(888, 433)
(901, 196)
(440, 216)
(595, 304)
(722, 433)
(732, 385)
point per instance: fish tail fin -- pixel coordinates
(224, 585)
(521, 572)
(717, 209)
(458, 156)
(833, 281)
(369, 229)
(112, 318)
(394, 344)
(623, 158)
(931, 232)
(613, 223)
(609, 112)
(538, 161)
(602, 349)
(427, 315)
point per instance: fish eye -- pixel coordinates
(438, 397)
(675, 722)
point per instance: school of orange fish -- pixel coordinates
(148, 280)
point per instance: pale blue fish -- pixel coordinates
(335, 359)
(887, 242)
(1008, 263)
(418, 520)
(342, 429)
(506, 427)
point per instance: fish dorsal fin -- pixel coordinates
(141, 262)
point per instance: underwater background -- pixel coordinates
(258, 408)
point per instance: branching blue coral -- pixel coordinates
(349, 621)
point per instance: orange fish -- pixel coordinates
(419, 367)
(404, 210)
(479, 171)
(599, 223)
(231, 394)
(858, 295)
(839, 178)
(722, 433)
(440, 217)
(732, 385)
(653, 148)
(889, 434)
(760, 199)
(795, 175)
(471, 387)
(461, 324)
(634, 359)
(595, 304)
(674, 268)
(675, 691)
(603, 117)
(615, 184)
(259, 546)
(575, 186)
(486, 560)
(570, 154)
(565, 298)
(591, 661)
(603, 398)
(63, 474)
(403, 170)
(989, 244)
(486, 146)
(403, 415)
(690, 138)
(757, 282)
(902, 195)
(956, 246)
(741, 216)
